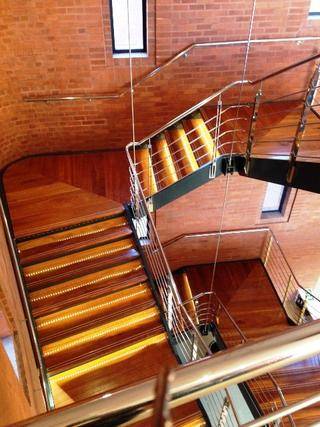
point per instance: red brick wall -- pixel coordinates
(64, 47)
(201, 210)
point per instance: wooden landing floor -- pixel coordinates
(246, 291)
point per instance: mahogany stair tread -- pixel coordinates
(136, 362)
(78, 317)
(102, 339)
(71, 292)
(60, 243)
(81, 262)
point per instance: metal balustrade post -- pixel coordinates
(303, 310)
(213, 168)
(308, 101)
(161, 412)
(252, 128)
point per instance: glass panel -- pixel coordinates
(315, 6)
(120, 25)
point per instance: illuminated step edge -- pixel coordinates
(108, 330)
(107, 360)
(84, 281)
(92, 306)
(82, 256)
(72, 234)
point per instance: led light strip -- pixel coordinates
(98, 230)
(119, 325)
(82, 285)
(108, 359)
(89, 309)
(87, 258)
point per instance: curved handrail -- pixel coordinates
(220, 92)
(244, 339)
(194, 380)
(189, 111)
(213, 233)
(283, 70)
(160, 68)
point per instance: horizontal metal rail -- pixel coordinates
(213, 234)
(280, 413)
(212, 307)
(181, 54)
(193, 381)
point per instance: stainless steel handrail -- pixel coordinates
(26, 308)
(194, 380)
(283, 412)
(244, 339)
(182, 53)
(189, 111)
(214, 233)
(161, 267)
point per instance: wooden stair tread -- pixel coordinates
(101, 282)
(136, 362)
(80, 263)
(185, 160)
(56, 244)
(188, 415)
(145, 171)
(100, 340)
(78, 317)
(40, 208)
(162, 162)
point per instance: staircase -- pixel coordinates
(98, 324)
(104, 304)
(216, 137)
(178, 159)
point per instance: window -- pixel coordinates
(314, 11)
(274, 198)
(120, 27)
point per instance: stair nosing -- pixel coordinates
(102, 351)
(68, 227)
(118, 239)
(98, 266)
(104, 292)
(49, 339)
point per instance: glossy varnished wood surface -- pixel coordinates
(38, 203)
(97, 321)
(247, 293)
(104, 173)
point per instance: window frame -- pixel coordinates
(284, 196)
(124, 53)
(312, 14)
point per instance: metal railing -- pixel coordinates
(300, 304)
(210, 310)
(193, 381)
(182, 54)
(223, 132)
(46, 389)
(186, 339)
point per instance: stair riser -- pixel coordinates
(56, 249)
(60, 302)
(79, 269)
(70, 326)
(108, 344)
